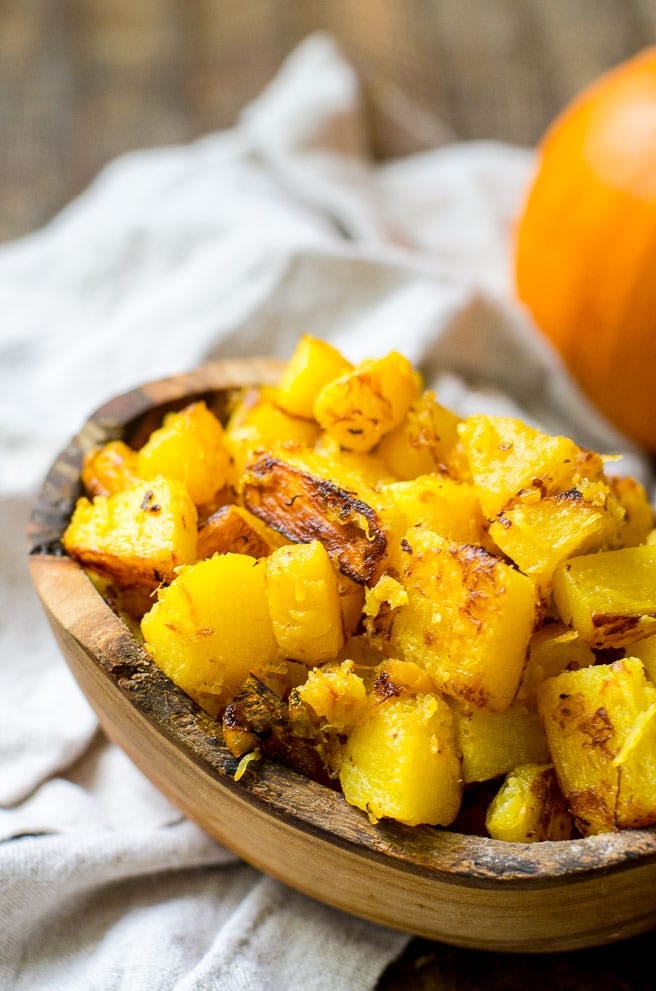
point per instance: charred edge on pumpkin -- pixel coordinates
(359, 554)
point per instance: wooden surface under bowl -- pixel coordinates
(468, 891)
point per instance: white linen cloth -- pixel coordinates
(233, 245)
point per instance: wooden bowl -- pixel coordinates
(464, 890)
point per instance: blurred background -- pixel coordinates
(83, 80)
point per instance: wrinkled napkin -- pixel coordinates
(233, 245)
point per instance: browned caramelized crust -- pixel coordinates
(304, 507)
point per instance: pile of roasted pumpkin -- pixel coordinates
(452, 620)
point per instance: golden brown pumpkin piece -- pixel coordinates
(312, 366)
(401, 761)
(257, 719)
(552, 649)
(508, 458)
(109, 468)
(259, 426)
(600, 724)
(530, 807)
(538, 536)
(232, 529)
(468, 619)
(609, 597)
(335, 694)
(358, 408)
(211, 627)
(444, 505)
(189, 447)
(304, 604)
(638, 512)
(305, 507)
(493, 743)
(137, 536)
(423, 442)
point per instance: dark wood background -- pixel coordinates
(83, 80)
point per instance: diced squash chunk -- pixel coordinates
(600, 727)
(304, 603)
(312, 366)
(335, 694)
(636, 762)
(444, 505)
(609, 597)
(508, 457)
(400, 761)
(109, 468)
(138, 535)
(211, 627)
(258, 426)
(233, 530)
(258, 719)
(552, 649)
(530, 807)
(468, 619)
(358, 408)
(539, 536)
(424, 440)
(638, 511)
(493, 743)
(189, 446)
(303, 505)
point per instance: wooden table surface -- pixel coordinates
(83, 80)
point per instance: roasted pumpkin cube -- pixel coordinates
(401, 762)
(468, 619)
(444, 505)
(552, 649)
(109, 468)
(257, 722)
(211, 628)
(137, 536)
(508, 458)
(493, 743)
(312, 366)
(609, 597)
(258, 426)
(298, 500)
(189, 446)
(423, 442)
(233, 530)
(336, 695)
(638, 519)
(530, 807)
(600, 728)
(358, 408)
(636, 762)
(304, 603)
(539, 536)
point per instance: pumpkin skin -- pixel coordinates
(585, 258)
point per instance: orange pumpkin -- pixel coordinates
(585, 262)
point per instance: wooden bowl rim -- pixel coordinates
(432, 852)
